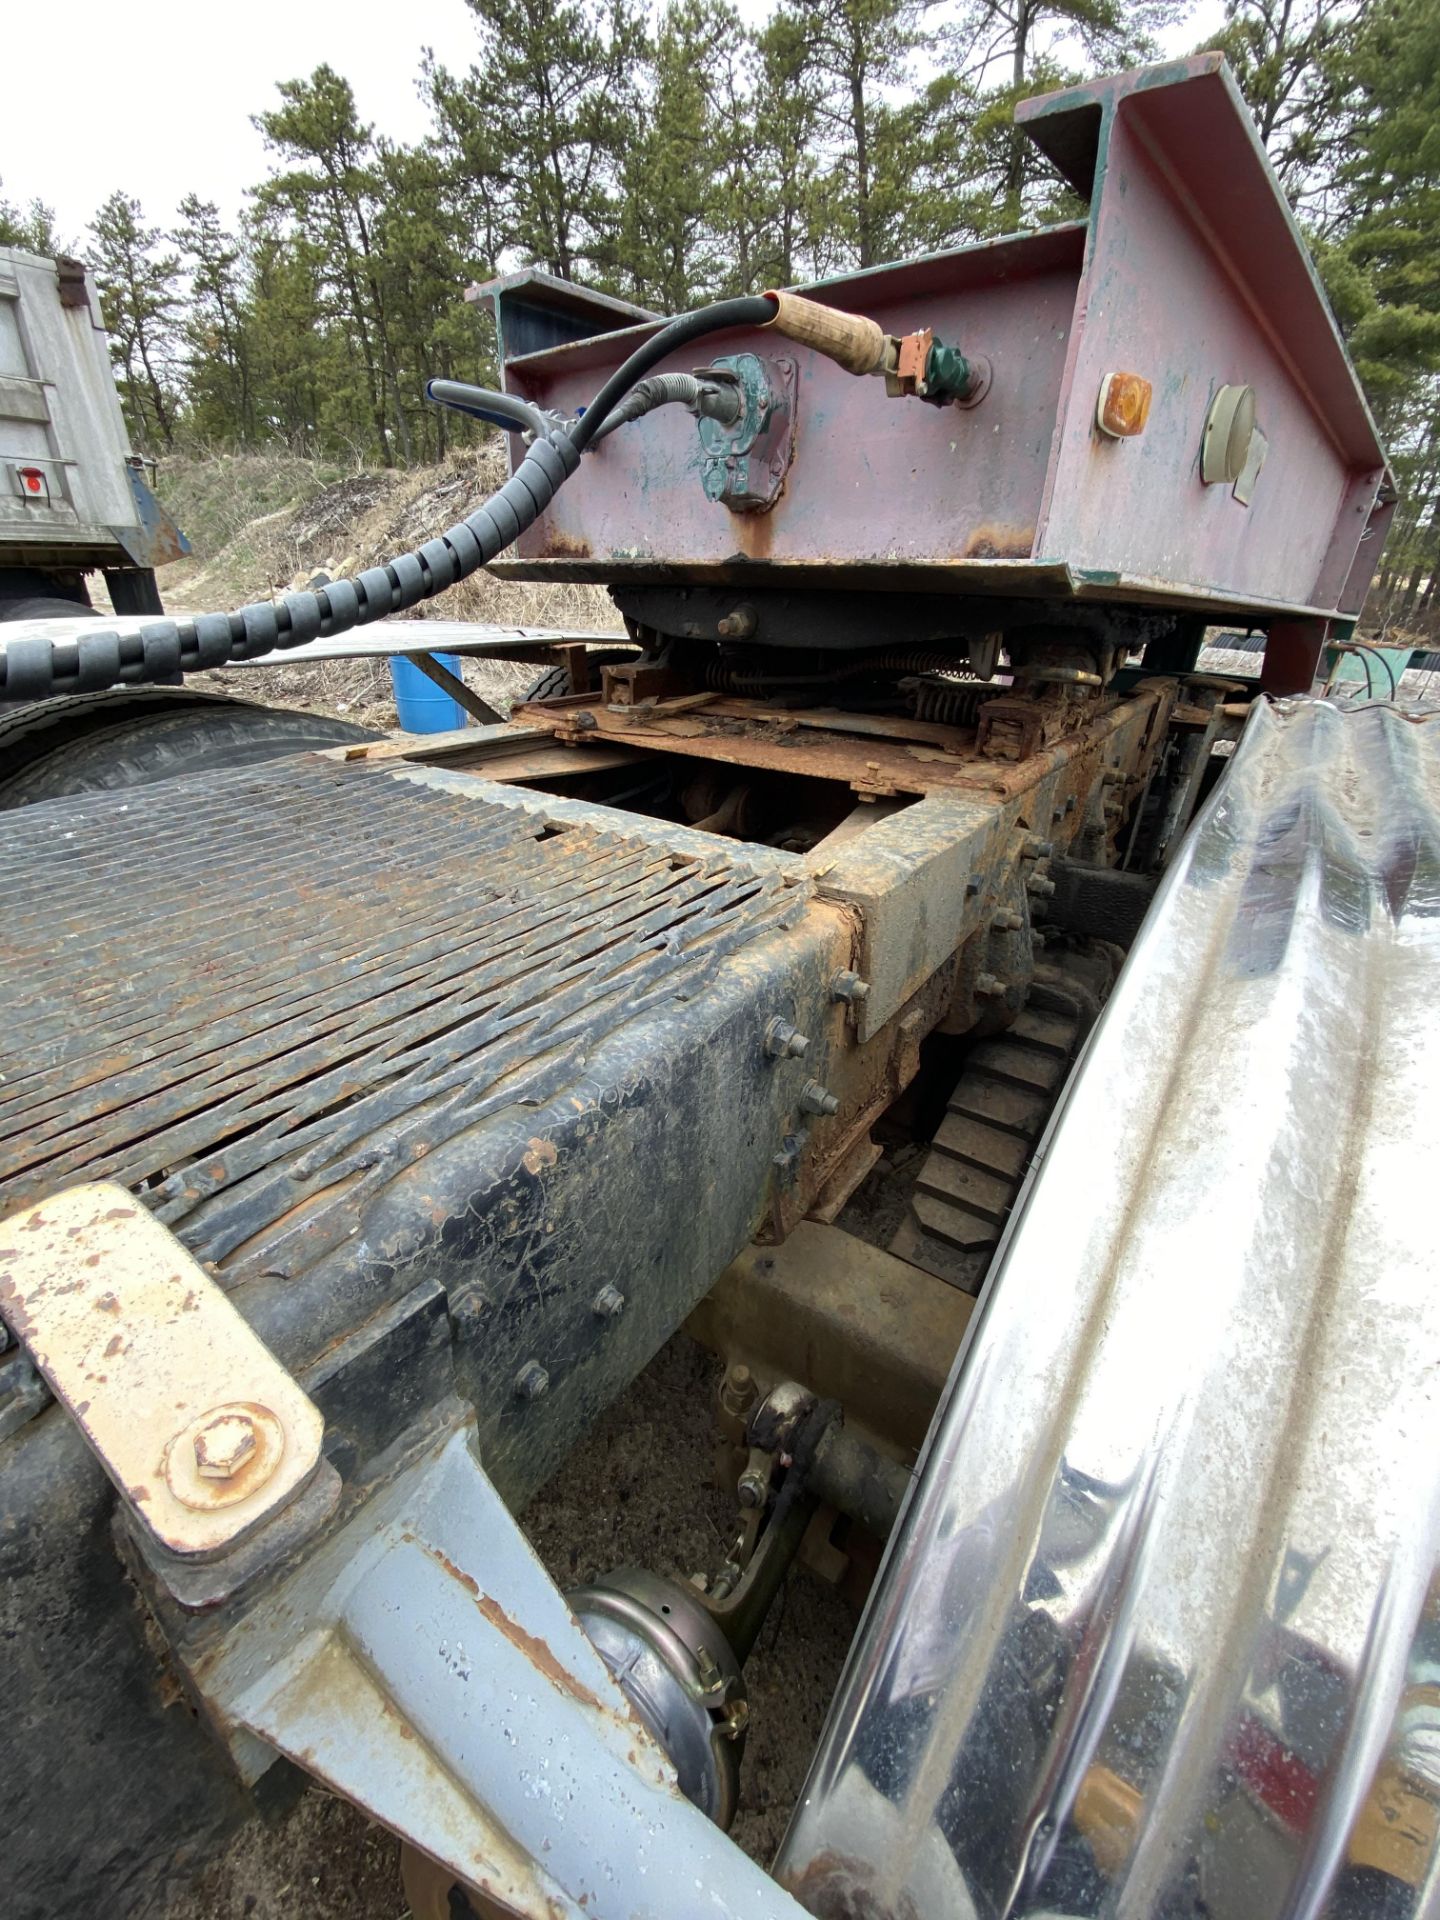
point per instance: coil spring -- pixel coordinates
(953, 703)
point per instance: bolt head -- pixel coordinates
(751, 1488)
(783, 1042)
(847, 985)
(531, 1381)
(738, 1391)
(817, 1099)
(608, 1302)
(223, 1447)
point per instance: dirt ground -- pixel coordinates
(639, 1491)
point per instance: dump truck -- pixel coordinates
(1000, 1041)
(75, 500)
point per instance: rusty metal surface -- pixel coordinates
(640, 500)
(1196, 276)
(878, 756)
(1157, 1633)
(202, 1432)
(254, 1023)
(415, 1065)
(155, 540)
(1189, 273)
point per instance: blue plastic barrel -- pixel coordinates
(422, 707)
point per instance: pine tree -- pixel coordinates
(1289, 60)
(218, 400)
(1008, 50)
(30, 228)
(772, 186)
(330, 188)
(1382, 265)
(141, 301)
(666, 253)
(539, 126)
(303, 386)
(425, 261)
(864, 51)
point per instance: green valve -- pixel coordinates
(947, 373)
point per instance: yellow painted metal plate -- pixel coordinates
(192, 1416)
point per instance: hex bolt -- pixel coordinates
(531, 1381)
(988, 987)
(1110, 775)
(467, 1312)
(788, 1158)
(782, 1041)
(752, 1487)
(1035, 848)
(815, 1099)
(1037, 883)
(222, 1448)
(1008, 921)
(707, 1670)
(848, 985)
(738, 625)
(738, 1391)
(608, 1302)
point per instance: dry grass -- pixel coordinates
(258, 521)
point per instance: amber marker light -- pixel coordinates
(1123, 406)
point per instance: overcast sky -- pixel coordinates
(157, 100)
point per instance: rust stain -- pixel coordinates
(755, 533)
(996, 540)
(540, 1154)
(455, 1573)
(566, 546)
(538, 1653)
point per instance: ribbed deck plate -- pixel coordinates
(238, 992)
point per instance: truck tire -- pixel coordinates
(44, 607)
(123, 743)
(554, 683)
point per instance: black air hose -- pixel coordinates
(164, 650)
(750, 310)
(656, 390)
(505, 410)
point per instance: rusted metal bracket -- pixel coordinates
(203, 1432)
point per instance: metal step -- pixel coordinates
(969, 1180)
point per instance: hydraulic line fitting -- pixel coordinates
(917, 364)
